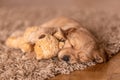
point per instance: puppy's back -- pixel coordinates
(61, 22)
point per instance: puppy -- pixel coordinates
(81, 47)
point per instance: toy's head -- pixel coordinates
(47, 47)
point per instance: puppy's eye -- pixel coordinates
(41, 36)
(66, 58)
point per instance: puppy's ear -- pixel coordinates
(70, 30)
(99, 56)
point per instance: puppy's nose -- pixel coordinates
(66, 58)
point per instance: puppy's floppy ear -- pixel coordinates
(99, 56)
(70, 30)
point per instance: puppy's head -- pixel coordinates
(84, 46)
(71, 56)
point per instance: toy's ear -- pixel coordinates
(99, 56)
(59, 34)
(41, 36)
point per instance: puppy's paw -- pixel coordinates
(95, 55)
(99, 56)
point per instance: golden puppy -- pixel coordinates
(81, 47)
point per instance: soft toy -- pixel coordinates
(45, 44)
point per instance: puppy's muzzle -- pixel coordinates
(66, 58)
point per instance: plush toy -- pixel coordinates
(45, 44)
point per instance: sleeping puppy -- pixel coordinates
(81, 46)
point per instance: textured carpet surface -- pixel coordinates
(15, 65)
